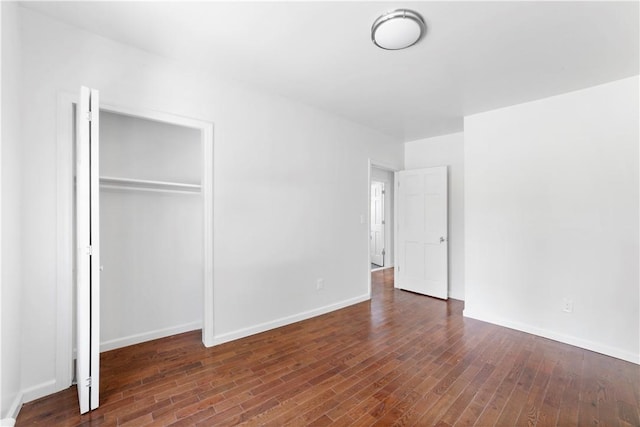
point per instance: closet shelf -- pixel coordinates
(148, 185)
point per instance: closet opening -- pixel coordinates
(156, 226)
(151, 229)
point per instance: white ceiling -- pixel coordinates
(476, 56)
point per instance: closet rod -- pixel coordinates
(148, 185)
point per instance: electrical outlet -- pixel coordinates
(567, 305)
(319, 284)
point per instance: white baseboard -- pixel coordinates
(27, 395)
(262, 327)
(556, 336)
(455, 295)
(34, 392)
(148, 336)
(12, 412)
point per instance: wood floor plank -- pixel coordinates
(518, 398)
(494, 408)
(485, 393)
(531, 413)
(399, 359)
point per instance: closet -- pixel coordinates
(151, 229)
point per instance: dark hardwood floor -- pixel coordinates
(401, 359)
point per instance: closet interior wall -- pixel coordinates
(151, 229)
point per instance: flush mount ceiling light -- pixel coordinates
(398, 29)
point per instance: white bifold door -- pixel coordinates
(422, 231)
(87, 250)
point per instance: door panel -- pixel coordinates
(414, 215)
(434, 222)
(87, 251)
(414, 260)
(83, 261)
(433, 263)
(422, 231)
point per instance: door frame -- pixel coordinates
(371, 163)
(65, 137)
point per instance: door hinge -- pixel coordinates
(89, 250)
(87, 382)
(89, 116)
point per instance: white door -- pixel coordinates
(377, 223)
(422, 231)
(88, 251)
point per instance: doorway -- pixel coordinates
(150, 228)
(381, 218)
(377, 232)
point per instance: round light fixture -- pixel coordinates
(398, 29)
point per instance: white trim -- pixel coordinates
(556, 336)
(206, 184)
(396, 224)
(2, 421)
(13, 411)
(64, 253)
(456, 295)
(369, 166)
(262, 327)
(148, 336)
(64, 241)
(381, 268)
(39, 390)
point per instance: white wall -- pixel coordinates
(388, 178)
(551, 212)
(11, 260)
(151, 242)
(279, 223)
(439, 151)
